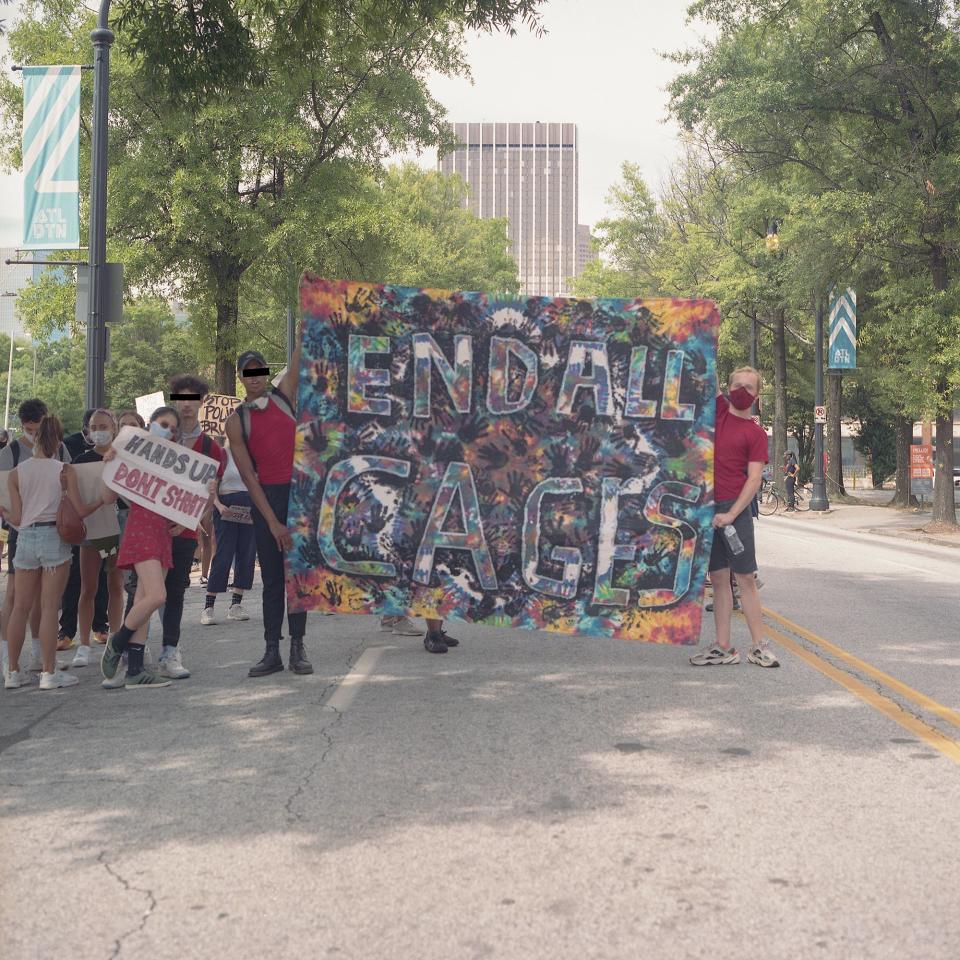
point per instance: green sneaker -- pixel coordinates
(144, 680)
(110, 660)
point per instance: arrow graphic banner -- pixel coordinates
(842, 353)
(51, 157)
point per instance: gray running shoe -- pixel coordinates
(144, 680)
(762, 657)
(110, 660)
(715, 657)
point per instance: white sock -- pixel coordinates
(168, 651)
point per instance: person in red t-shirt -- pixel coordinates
(740, 452)
(186, 395)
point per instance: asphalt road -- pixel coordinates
(524, 796)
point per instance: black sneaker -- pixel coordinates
(435, 642)
(448, 640)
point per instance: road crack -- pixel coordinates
(129, 887)
(326, 732)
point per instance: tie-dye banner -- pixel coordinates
(535, 463)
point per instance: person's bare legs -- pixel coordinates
(17, 608)
(752, 610)
(89, 582)
(115, 595)
(52, 583)
(149, 597)
(722, 605)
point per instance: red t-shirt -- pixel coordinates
(215, 452)
(739, 441)
(273, 436)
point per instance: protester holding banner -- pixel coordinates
(98, 557)
(186, 394)
(740, 452)
(262, 436)
(30, 413)
(37, 485)
(146, 548)
(236, 547)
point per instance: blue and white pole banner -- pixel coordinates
(843, 330)
(51, 157)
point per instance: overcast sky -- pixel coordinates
(597, 66)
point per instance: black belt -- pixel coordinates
(42, 523)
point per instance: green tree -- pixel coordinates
(235, 131)
(854, 105)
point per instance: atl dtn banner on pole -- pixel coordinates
(536, 463)
(51, 157)
(842, 353)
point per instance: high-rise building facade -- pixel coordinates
(529, 174)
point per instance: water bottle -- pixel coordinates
(733, 539)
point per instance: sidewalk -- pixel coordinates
(876, 519)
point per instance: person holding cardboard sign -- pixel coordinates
(145, 548)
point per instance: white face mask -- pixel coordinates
(100, 438)
(158, 430)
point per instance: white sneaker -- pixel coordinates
(118, 679)
(148, 660)
(82, 657)
(405, 627)
(12, 680)
(236, 612)
(207, 618)
(51, 681)
(171, 666)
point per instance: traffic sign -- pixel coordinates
(842, 354)
(819, 414)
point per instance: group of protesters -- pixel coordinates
(106, 590)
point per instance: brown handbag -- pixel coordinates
(70, 526)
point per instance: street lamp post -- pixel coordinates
(818, 497)
(102, 38)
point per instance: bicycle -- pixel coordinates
(771, 500)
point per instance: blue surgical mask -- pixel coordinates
(158, 430)
(100, 438)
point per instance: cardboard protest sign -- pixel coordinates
(537, 463)
(103, 522)
(215, 410)
(160, 475)
(148, 403)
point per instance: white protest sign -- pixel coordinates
(103, 522)
(161, 475)
(214, 411)
(147, 404)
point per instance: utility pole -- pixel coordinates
(102, 38)
(818, 498)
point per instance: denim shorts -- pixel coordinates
(40, 547)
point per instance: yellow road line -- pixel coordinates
(908, 693)
(946, 746)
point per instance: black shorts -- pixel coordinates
(721, 557)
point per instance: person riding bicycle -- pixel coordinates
(790, 472)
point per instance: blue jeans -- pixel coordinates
(236, 548)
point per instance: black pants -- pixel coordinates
(791, 485)
(176, 583)
(271, 568)
(71, 599)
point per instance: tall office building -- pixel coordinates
(529, 174)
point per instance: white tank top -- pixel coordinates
(231, 482)
(39, 490)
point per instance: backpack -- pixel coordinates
(15, 452)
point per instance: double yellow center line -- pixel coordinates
(875, 698)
